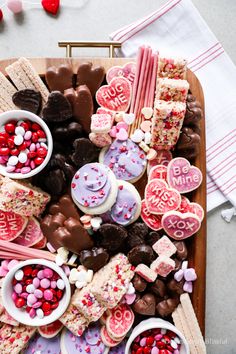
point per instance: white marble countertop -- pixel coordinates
(34, 33)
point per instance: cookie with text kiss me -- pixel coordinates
(160, 198)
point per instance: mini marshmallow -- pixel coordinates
(178, 276)
(163, 265)
(119, 117)
(73, 276)
(164, 246)
(144, 146)
(151, 155)
(147, 112)
(80, 285)
(188, 287)
(184, 265)
(146, 273)
(190, 274)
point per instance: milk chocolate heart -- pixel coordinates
(127, 71)
(159, 288)
(166, 307)
(161, 199)
(65, 206)
(82, 105)
(85, 152)
(116, 96)
(139, 283)
(182, 176)
(151, 220)
(57, 108)
(11, 225)
(28, 100)
(193, 111)
(94, 259)
(180, 226)
(111, 236)
(182, 251)
(146, 305)
(60, 78)
(188, 145)
(91, 77)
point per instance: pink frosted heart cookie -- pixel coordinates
(126, 159)
(161, 199)
(94, 188)
(119, 321)
(151, 220)
(127, 71)
(127, 207)
(183, 176)
(31, 235)
(190, 207)
(116, 96)
(11, 225)
(180, 226)
(159, 172)
(163, 157)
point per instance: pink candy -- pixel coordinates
(31, 299)
(45, 283)
(38, 293)
(48, 273)
(48, 295)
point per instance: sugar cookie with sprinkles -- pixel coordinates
(126, 159)
(94, 188)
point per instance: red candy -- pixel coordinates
(34, 137)
(10, 128)
(4, 151)
(46, 306)
(20, 302)
(23, 146)
(35, 127)
(42, 152)
(38, 161)
(41, 134)
(27, 270)
(149, 341)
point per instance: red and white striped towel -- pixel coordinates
(177, 29)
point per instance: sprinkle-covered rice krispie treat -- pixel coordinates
(173, 68)
(172, 90)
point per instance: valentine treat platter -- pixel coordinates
(102, 170)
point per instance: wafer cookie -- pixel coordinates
(7, 90)
(24, 75)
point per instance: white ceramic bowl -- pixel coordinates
(19, 115)
(156, 323)
(20, 314)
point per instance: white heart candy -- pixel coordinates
(138, 136)
(147, 112)
(129, 118)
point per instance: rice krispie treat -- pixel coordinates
(172, 90)
(173, 68)
(74, 320)
(167, 122)
(15, 338)
(22, 198)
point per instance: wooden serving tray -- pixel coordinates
(196, 244)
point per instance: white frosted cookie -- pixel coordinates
(94, 188)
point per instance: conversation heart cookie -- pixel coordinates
(183, 176)
(94, 188)
(159, 172)
(151, 220)
(190, 207)
(127, 207)
(43, 345)
(31, 235)
(160, 198)
(163, 157)
(126, 159)
(127, 71)
(119, 321)
(116, 96)
(180, 226)
(11, 225)
(107, 339)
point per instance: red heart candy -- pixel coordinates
(151, 220)
(51, 6)
(127, 71)
(161, 199)
(180, 226)
(116, 96)
(11, 225)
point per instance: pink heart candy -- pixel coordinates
(113, 132)
(116, 96)
(3, 272)
(122, 135)
(15, 6)
(180, 226)
(159, 198)
(122, 125)
(130, 298)
(182, 176)
(12, 264)
(127, 71)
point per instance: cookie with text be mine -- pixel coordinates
(180, 226)
(160, 198)
(116, 96)
(190, 207)
(183, 176)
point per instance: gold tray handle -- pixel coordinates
(69, 45)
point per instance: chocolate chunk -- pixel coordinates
(193, 110)
(176, 287)
(57, 108)
(166, 307)
(137, 233)
(82, 105)
(139, 283)
(159, 288)
(182, 251)
(59, 79)
(112, 236)
(85, 152)
(91, 77)
(28, 99)
(141, 254)
(188, 145)
(62, 227)
(152, 238)
(94, 259)
(145, 305)
(68, 132)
